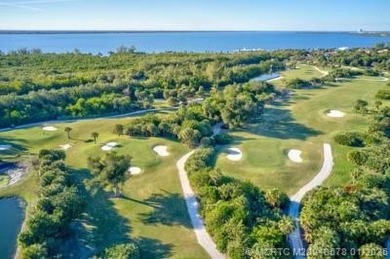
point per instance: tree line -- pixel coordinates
(37, 86)
(59, 203)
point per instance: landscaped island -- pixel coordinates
(102, 139)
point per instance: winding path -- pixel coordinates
(323, 72)
(204, 239)
(295, 237)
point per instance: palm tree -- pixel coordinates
(68, 130)
(94, 135)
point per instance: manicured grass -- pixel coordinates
(152, 212)
(265, 144)
(300, 123)
(303, 71)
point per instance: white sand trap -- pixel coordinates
(161, 150)
(134, 170)
(295, 155)
(5, 147)
(49, 128)
(109, 146)
(234, 154)
(335, 114)
(65, 147)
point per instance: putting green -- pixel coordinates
(300, 123)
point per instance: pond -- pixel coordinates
(11, 218)
(266, 77)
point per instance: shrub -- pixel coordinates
(122, 251)
(383, 94)
(352, 139)
(222, 139)
(357, 157)
(298, 83)
(207, 142)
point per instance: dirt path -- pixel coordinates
(323, 72)
(293, 211)
(204, 239)
(274, 79)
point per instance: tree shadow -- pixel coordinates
(99, 226)
(153, 248)
(279, 123)
(12, 147)
(168, 209)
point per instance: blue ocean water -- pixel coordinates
(185, 41)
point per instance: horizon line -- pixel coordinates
(49, 31)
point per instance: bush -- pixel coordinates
(298, 83)
(201, 159)
(383, 94)
(222, 139)
(207, 142)
(122, 251)
(352, 139)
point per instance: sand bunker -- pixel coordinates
(15, 174)
(295, 155)
(49, 128)
(335, 114)
(161, 150)
(65, 147)
(109, 146)
(5, 147)
(134, 170)
(234, 154)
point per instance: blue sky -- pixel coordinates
(324, 15)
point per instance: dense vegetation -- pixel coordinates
(234, 105)
(36, 87)
(353, 139)
(383, 94)
(355, 218)
(59, 204)
(377, 58)
(243, 220)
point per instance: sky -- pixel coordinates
(296, 15)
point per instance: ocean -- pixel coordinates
(98, 42)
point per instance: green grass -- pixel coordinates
(3, 180)
(300, 123)
(152, 212)
(303, 71)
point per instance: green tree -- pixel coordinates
(94, 135)
(378, 105)
(360, 106)
(371, 251)
(190, 137)
(111, 171)
(119, 129)
(68, 130)
(35, 251)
